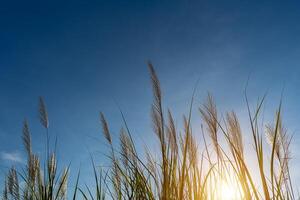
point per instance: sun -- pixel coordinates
(229, 192)
(225, 188)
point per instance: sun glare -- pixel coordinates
(226, 190)
(229, 192)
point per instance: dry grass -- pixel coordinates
(184, 169)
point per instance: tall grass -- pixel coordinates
(38, 182)
(184, 169)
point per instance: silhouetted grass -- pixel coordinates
(182, 170)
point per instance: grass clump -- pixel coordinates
(184, 169)
(37, 182)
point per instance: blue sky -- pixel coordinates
(89, 56)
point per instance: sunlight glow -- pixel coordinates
(226, 188)
(229, 191)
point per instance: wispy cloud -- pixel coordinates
(11, 156)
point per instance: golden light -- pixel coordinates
(229, 191)
(225, 189)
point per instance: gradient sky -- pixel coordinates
(89, 56)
